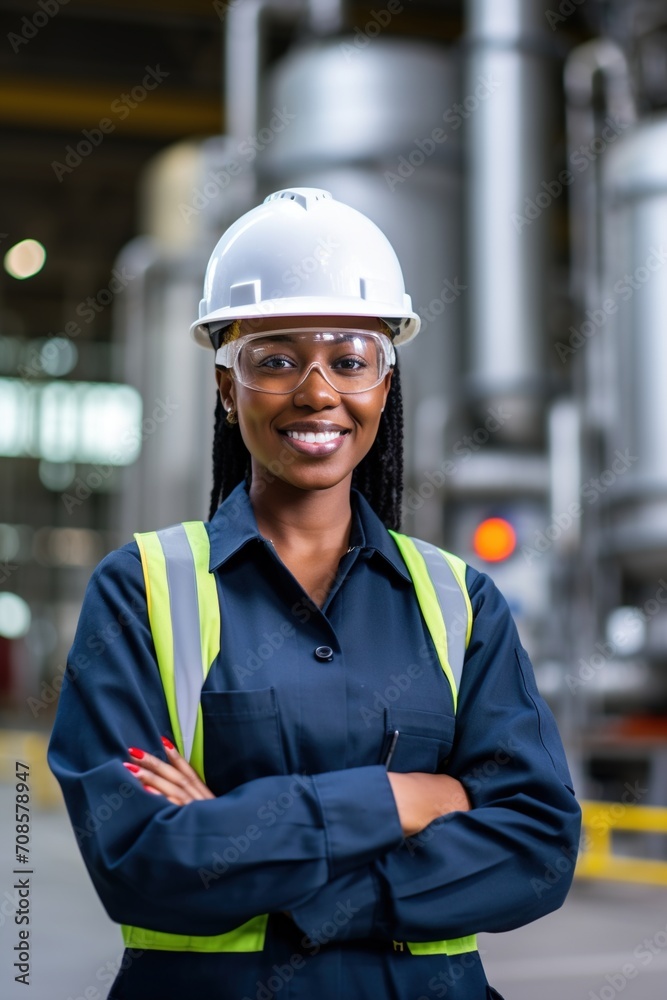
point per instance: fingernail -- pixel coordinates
(169, 745)
(149, 788)
(131, 767)
(133, 752)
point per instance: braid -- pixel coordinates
(379, 475)
(231, 458)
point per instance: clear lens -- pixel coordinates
(350, 360)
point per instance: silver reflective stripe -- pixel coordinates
(188, 669)
(452, 605)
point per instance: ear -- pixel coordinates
(225, 387)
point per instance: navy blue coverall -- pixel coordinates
(304, 819)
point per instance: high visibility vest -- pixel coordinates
(184, 616)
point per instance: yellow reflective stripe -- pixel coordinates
(249, 936)
(459, 571)
(209, 623)
(428, 603)
(455, 946)
(159, 615)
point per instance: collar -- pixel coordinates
(234, 525)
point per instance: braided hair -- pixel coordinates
(379, 475)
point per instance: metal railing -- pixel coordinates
(597, 858)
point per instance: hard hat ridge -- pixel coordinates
(300, 253)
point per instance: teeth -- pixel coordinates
(313, 438)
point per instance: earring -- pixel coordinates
(231, 416)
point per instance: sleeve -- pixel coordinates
(209, 866)
(509, 860)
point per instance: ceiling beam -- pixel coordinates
(71, 106)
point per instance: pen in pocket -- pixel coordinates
(390, 751)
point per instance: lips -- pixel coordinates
(315, 439)
(321, 437)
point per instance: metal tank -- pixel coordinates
(634, 215)
(509, 139)
(377, 122)
(189, 194)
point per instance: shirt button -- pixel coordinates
(324, 653)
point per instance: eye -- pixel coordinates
(266, 359)
(351, 364)
(274, 362)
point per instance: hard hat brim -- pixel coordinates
(407, 325)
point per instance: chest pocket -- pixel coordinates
(242, 737)
(424, 742)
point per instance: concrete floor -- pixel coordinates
(592, 949)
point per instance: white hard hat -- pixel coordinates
(301, 253)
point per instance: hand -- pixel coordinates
(176, 780)
(421, 798)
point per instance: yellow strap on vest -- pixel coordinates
(439, 608)
(455, 946)
(250, 936)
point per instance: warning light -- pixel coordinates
(494, 539)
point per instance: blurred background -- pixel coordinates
(515, 153)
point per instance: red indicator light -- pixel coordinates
(494, 539)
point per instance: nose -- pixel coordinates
(316, 391)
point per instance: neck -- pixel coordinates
(305, 520)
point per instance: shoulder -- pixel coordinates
(117, 578)
(485, 596)
(118, 562)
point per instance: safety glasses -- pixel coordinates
(280, 361)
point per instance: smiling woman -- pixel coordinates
(306, 695)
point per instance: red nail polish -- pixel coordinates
(169, 745)
(149, 788)
(133, 752)
(131, 767)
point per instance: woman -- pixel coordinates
(345, 813)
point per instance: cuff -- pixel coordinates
(360, 816)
